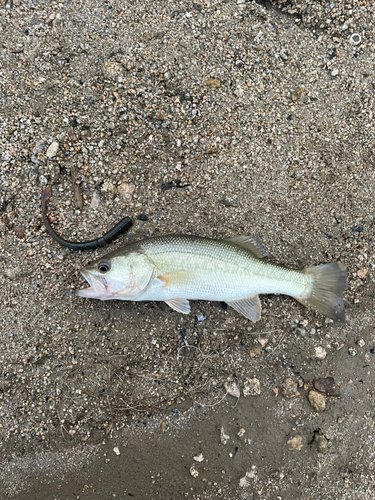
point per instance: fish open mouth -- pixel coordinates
(98, 288)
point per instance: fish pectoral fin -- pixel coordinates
(174, 278)
(251, 243)
(250, 307)
(179, 305)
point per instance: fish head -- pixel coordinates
(117, 276)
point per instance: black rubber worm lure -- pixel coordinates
(121, 226)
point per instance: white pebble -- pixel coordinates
(319, 353)
(199, 458)
(52, 149)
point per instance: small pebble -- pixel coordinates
(126, 191)
(199, 458)
(328, 386)
(232, 388)
(262, 341)
(352, 351)
(296, 442)
(322, 444)
(193, 471)
(109, 188)
(318, 353)
(224, 438)
(95, 200)
(289, 389)
(52, 149)
(335, 72)
(241, 432)
(254, 351)
(116, 450)
(362, 273)
(142, 217)
(200, 318)
(317, 401)
(361, 343)
(251, 387)
(19, 231)
(213, 83)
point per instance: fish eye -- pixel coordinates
(104, 266)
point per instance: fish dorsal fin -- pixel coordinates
(250, 307)
(251, 243)
(179, 305)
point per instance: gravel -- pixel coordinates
(216, 118)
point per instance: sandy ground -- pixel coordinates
(211, 118)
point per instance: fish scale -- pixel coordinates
(220, 270)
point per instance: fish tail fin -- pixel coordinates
(329, 283)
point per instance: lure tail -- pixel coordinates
(329, 283)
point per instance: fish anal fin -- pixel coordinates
(179, 305)
(250, 307)
(251, 243)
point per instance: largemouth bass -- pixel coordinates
(177, 268)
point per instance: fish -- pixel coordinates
(179, 268)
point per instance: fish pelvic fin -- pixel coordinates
(179, 305)
(250, 307)
(329, 283)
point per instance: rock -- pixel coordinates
(263, 341)
(318, 353)
(239, 92)
(362, 273)
(251, 387)
(296, 442)
(213, 83)
(352, 351)
(193, 471)
(327, 386)
(322, 444)
(361, 343)
(244, 483)
(335, 72)
(232, 388)
(142, 217)
(241, 432)
(52, 149)
(40, 146)
(255, 350)
(126, 191)
(224, 438)
(317, 401)
(289, 389)
(19, 231)
(116, 450)
(95, 200)
(200, 318)
(109, 188)
(199, 458)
